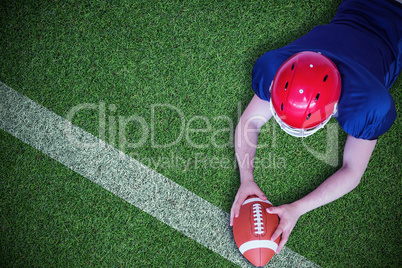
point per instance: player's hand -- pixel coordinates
(246, 189)
(288, 217)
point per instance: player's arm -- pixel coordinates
(356, 156)
(254, 117)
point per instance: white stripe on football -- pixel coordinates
(253, 244)
(256, 199)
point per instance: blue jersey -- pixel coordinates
(364, 40)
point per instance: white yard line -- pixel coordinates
(125, 177)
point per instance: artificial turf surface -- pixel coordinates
(171, 67)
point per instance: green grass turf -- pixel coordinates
(195, 56)
(52, 217)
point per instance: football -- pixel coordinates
(253, 229)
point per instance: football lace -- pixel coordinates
(258, 219)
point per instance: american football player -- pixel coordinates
(343, 70)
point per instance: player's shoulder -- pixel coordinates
(265, 68)
(366, 108)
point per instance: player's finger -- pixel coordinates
(279, 229)
(282, 243)
(273, 210)
(236, 209)
(261, 195)
(233, 210)
(232, 213)
(257, 191)
(277, 233)
(237, 204)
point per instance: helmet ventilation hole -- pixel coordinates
(293, 66)
(316, 97)
(325, 78)
(308, 116)
(282, 107)
(286, 86)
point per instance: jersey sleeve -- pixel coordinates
(366, 114)
(265, 69)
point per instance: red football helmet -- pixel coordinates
(305, 93)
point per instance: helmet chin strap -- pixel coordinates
(300, 132)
